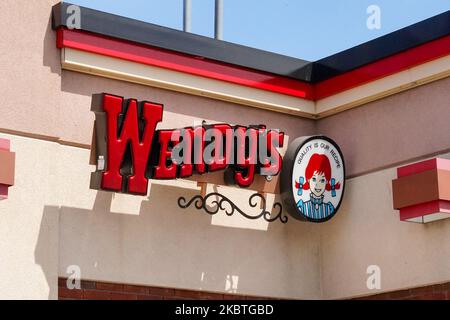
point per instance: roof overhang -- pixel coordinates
(121, 48)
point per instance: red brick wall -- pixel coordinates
(95, 290)
(434, 292)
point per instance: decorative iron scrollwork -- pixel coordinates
(224, 203)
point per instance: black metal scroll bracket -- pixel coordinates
(223, 203)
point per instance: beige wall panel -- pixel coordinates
(368, 231)
(29, 224)
(30, 84)
(53, 220)
(150, 241)
(163, 245)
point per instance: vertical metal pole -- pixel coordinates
(187, 15)
(218, 20)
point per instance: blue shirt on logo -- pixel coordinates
(315, 208)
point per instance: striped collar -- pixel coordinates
(315, 200)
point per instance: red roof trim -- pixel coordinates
(147, 55)
(385, 67)
(122, 49)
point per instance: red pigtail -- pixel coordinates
(305, 185)
(337, 186)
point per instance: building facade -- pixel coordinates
(385, 103)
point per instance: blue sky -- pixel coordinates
(304, 29)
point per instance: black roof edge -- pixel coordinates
(403, 39)
(166, 38)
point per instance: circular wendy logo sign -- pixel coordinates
(313, 178)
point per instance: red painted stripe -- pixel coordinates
(385, 67)
(171, 60)
(5, 144)
(418, 167)
(424, 209)
(3, 191)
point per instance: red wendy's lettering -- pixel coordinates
(166, 169)
(129, 135)
(246, 154)
(134, 151)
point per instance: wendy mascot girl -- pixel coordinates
(317, 180)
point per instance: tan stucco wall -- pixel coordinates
(47, 104)
(368, 231)
(375, 139)
(52, 219)
(29, 224)
(160, 244)
(30, 68)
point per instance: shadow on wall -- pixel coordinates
(51, 54)
(45, 254)
(167, 246)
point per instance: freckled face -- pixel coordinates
(317, 184)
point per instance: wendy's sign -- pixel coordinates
(313, 178)
(129, 149)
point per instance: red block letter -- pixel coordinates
(117, 142)
(166, 169)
